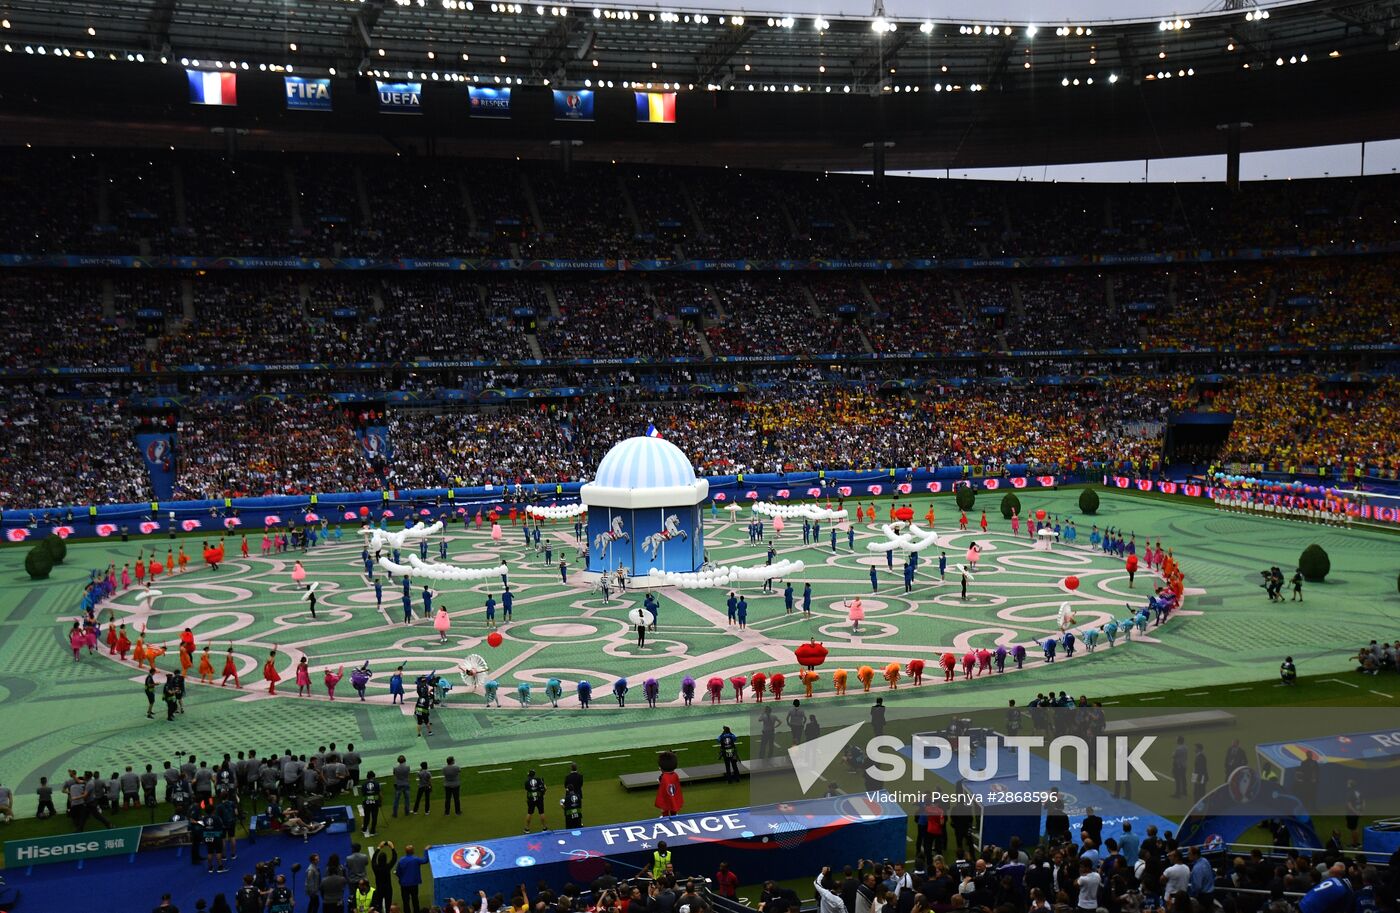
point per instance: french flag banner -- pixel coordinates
(209, 88)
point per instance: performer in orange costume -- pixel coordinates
(206, 667)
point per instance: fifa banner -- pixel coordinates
(374, 444)
(212, 88)
(573, 104)
(656, 107)
(305, 94)
(158, 452)
(489, 102)
(400, 97)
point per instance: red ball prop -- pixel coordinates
(1040, 515)
(1071, 583)
(495, 639)
(904, 513)
(364, 511)
(1132, 562)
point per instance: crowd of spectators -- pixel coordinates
(131, 317)
(1068, 310)
(269, 445)
(68, 451)
(1284, 422)
(766, 314)
(584, 216)
(88, 336)
(185, 202)
(611, 318)
(276, 434)
(450, 318)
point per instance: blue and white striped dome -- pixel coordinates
(644, 462)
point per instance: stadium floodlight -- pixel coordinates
(1031, 30)
(1112, 78)
(926, 27)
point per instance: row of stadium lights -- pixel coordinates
(879, 25)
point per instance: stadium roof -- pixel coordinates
(978, 86)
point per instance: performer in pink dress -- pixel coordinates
(333, 679)
(855, 613)
(303, 678)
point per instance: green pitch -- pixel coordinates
(91, 714)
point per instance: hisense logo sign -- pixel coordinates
(34, 853)
(67, 847)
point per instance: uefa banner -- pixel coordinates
(307, 94)
(374, 444)
(573, 104)
(489, 102)
(786, 840)
(158, 453)
(400, 97)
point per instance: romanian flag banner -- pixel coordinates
(656, 107)
(212, 88)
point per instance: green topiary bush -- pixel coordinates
(1010, 504)
(1088, 501)
(38, 563)
(1314, 563)
(56, 547)
(965, 498)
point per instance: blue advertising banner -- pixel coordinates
(784, 841)
(306, 94)
(400, 97)
(573, 104)
(158, 452)
(489, 102)
(374, 443)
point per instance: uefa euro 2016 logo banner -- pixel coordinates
(573, 104)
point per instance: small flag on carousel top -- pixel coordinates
(651, 430)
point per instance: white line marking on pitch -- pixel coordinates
(1163, 698)
(1195, 693)
(612, 757)
(1381, 693)
(555, 764)
(1340, 682)
(1240, 689)
(495, 770)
